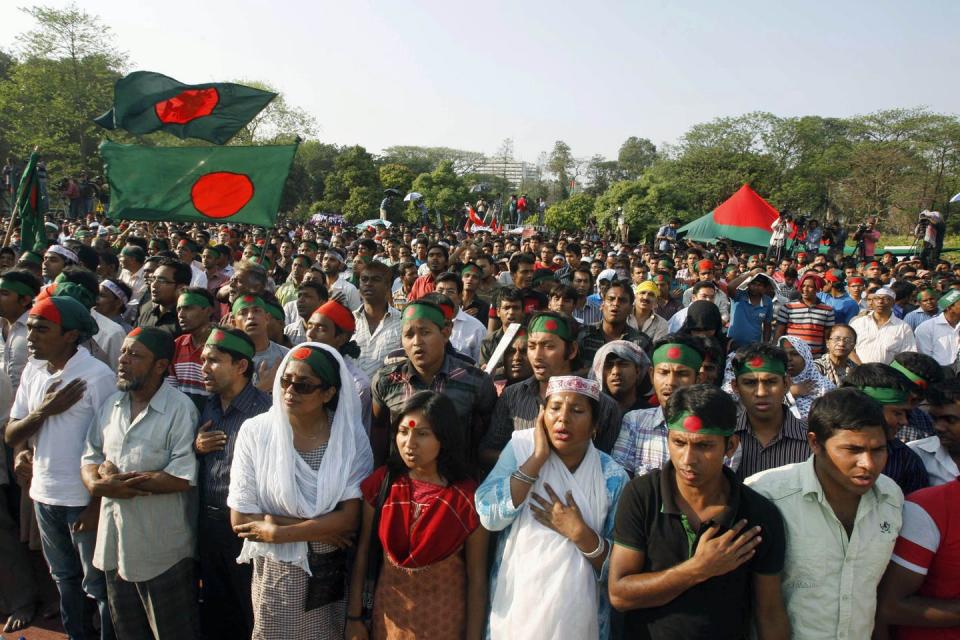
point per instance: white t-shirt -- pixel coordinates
(58, 445)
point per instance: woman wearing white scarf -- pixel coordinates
(553, 495)
(295, 494)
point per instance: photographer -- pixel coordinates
(866, 237)
(778, 237)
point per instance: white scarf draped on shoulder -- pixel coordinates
(269, 476)
(546, 588)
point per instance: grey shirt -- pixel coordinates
(272, 355)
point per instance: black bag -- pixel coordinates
(329, 580)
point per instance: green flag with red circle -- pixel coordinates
(144, 101)
(196, 184)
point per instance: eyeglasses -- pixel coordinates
(842, 340)
(300, 388)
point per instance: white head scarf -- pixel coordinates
(283, 483)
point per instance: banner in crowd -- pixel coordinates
(144, 101)
(30, 206)
(189, 184)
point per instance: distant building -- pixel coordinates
(517, 173)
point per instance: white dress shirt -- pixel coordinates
(468, 333)
(937, 339)
(374, 346)
(199, 277)
(880, 343)
(109, 337)
(939, 464)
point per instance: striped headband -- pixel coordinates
(63, 252)
(914, 378)
(115, 290)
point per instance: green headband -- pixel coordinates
(550, 324)
(470, 267)
(886, 395)
(31, 257)
(418, 311)
(911, 376)
(761, 364)
(689, 422)
(677, 353)
(276, 311)
(158, 341)
(223, 340)
(246, 302)
(319, 362)
(18, 288)
(189, 299)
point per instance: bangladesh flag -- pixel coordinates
(31, 205)
(145, 101)
(190, 184)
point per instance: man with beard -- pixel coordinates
(61, 389)
(227, 367)
(645, 311)
(842, 517)
(642, 444)
(437, 258)
(139, 461)
(616, 307)
(552, 351)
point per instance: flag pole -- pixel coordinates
(13, 217)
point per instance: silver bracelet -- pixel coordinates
(522, 477)
(596, 553)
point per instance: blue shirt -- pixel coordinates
(746, 318)
(918, 316)
(845, 308)
(215, 466)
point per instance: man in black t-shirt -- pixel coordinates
(696, 554)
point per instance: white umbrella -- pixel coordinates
(374, 222)
(412, 196)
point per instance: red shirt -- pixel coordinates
(185, 368)
(421, 287)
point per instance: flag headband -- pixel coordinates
(189, 299)
(31, 257)
(761, 364)
(158, 341)
(689, 422)
(246, 302)
(229, 342)
(420, 311)
(677, 353)
(18, 288)
(63, 252)
(275, 310)
(319, 362)
(109, 286)
(914, 378)
(886, 395)
(550, 324)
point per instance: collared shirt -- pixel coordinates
(845, 308)
(937, 339)
(185, 374)
(142, 537)
(747, 319)
(467, 334)
(807, 322)
(15, 352)
(152, 315)
(829, 579)
(591, 338)
(374, 346)
(109, 337)
(519, 405)
(641, 446)
(905, 467)
(351, 297)
(654, 327)
(588, 314)
(918, 316)
(488, 346)
(880, 343)
(296, 331)
(788, 446)
(214, 477)
(649, 520)
(422, 286)
(940, 465)
(919, 425)
(400, 298)
(59, 443)
(136, 282)
(199, 276)
(216, 281)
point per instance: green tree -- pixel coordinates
(571, 214)
(426, 159)
(279, 123)
(601, 173)
(559, 164)
(353, 169)
(443, 190)
(636, 154)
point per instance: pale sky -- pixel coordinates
(468, 75)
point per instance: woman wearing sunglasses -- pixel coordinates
(295, 495)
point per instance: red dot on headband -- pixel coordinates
(756, 361)
(135, 332)
(248, 298)
(219, 335)
(550, 325)
(692, 423)
(301, 354)
(673, 353)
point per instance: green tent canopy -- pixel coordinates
(745, 217)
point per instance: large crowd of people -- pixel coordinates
(314, 431)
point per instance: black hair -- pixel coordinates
(403, 266)
(87, 257)
(582, 268)
(376, 265)
(318, 287)
(437, 245)
(236, 356)
(947, 392)
(704, 284)
(120, 284)
(202, 291)
(706, 401)
(762, 349)
(182, 273)
(902, 289)
(844, 408)
(140, 243)
(25, 278)
(110, 259)
(441, 413)
(521, 258)
(451, 277)
(925, 367)
(509, 294)
(566, 292)
(83, 277)
(877, 374)
(830, 330)
(625, 285)
(368, 244)
(573, 247)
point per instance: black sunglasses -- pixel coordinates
(300, 388)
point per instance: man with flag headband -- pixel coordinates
(940, 452)
(770, 434)
(939, 337)
(642, 444)
(690, 538)
(926, 376)
(840, 484)
(251, 315)
(194, 309)
(552, 351)
(18, 288)
(151, 585)
(227, 367)
(61, 389)
(892, 390)
(424, 334)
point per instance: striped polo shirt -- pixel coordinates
(807, 322)
(185, 374)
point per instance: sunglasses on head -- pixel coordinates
(300, 388)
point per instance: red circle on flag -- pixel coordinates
(219, 335)
(756, 361)
(551, 325)
(673, 353)
(301, 354)
(187, 105)
(221, 194)
(692, 424)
